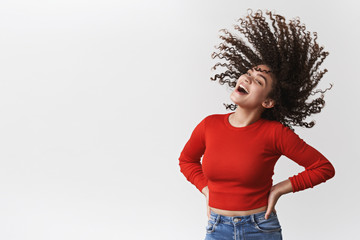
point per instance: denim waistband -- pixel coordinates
(238, 219)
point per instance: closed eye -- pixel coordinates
(259, 82)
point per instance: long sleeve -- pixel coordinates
(189, 160)
(318, 169)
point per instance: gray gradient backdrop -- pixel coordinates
(98, 98)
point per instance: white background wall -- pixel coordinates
(98, 98)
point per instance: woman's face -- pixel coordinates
(252, 89)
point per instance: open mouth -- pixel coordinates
(241, 89)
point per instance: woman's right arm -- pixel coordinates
(189, 160)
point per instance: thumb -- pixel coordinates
(268, 211)
(208, 211)
(207, 207)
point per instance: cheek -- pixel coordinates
(261, 93)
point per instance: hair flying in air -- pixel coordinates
(291, 53)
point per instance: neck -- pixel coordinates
(244, 117)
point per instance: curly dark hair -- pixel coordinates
(292, 55)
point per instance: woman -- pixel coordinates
(272, 82)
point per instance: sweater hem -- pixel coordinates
(231, 202)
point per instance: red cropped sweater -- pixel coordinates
(238, 162)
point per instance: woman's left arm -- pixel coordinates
(318, 169)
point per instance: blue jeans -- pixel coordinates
(249, 227)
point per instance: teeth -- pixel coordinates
(243, 88)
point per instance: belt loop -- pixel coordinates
(217, 219)
(252, 218)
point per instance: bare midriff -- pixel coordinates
(230, 213)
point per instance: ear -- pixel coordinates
(268, 103)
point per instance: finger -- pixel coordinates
(207, 210)
(269, 209)
(266, 215)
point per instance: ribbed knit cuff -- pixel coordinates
(292, 184)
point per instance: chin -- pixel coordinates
(233, 99)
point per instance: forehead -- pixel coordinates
(265, 71)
